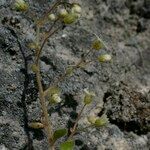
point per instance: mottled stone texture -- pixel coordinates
(122, 87)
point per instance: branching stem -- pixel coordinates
(48, 126)
(63, 76)
(74, 129)
(44, 42)
(46, 120)
(44, 18)
(83, 129)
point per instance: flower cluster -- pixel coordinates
(98, 121)
(68, 16)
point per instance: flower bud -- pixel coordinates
(70, 18)
(36, 125)
(33, 45)
(20, 5)
(69, 71)
(104, 58)
(53, 90)
(55, 99)
(76, 9)
(102, 121)
(88, 98)
(91, 119)
(52, 17)
(97, 44)
(34, 68)
(63, 13)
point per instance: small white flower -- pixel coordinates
(56, 98)
(76, 9)
(91, 119)
(104, 58)
(89, 93)
(52, 17)
(63, 12)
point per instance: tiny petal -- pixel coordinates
(63, 13)
(76, 9)
(55, 99)
(91, 119)
(102, 121)
(104, 58)
(36, 125)
(52, 17)
(89, 93)
(33, 45)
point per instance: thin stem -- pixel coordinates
(82, 129)
(51, 27)
(47, 123)
(44, 42)
(63, 76)
(44, 106)
(42, 20)
(53, 7)
(52, 147)
(74, 129)
(37, 34)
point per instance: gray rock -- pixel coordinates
(2, 2)
(2, 147)
(121, 87)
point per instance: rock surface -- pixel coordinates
(122, 87)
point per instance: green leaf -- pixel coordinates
(68, 145)
(59, 133)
